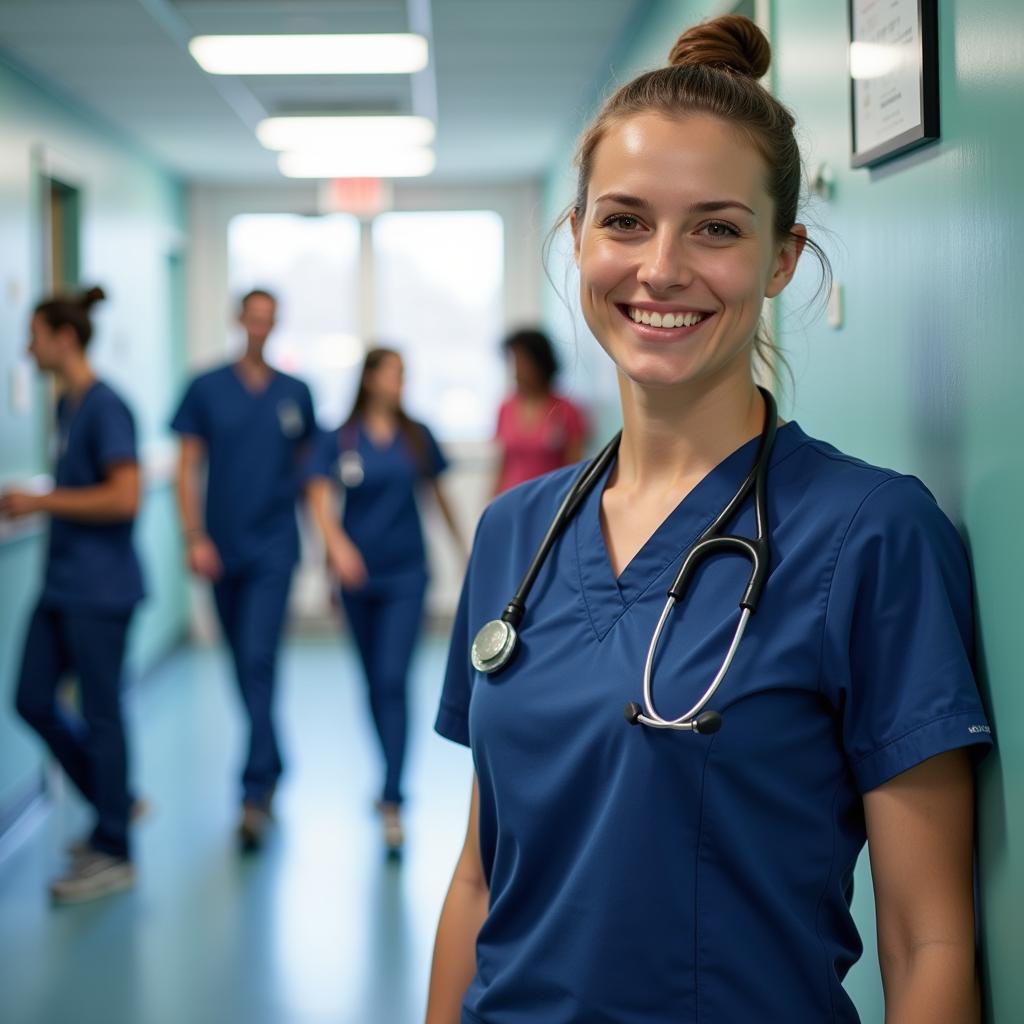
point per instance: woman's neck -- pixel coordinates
(77, 377)
(673, 437)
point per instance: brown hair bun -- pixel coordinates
(91, 296)
(731, 42)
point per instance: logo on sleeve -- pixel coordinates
(978, 728)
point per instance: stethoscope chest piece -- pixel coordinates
(493, 646)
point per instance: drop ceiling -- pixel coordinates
(508, 79)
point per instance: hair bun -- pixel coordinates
(91, 296)
(732, 42)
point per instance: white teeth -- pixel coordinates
(663, 320)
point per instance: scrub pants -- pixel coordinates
(251, 606)
(386, 624)
(91, 749)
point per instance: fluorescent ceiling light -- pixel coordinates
(316, 133)
(396, 53)
(404, 163)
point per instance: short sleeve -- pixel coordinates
(575, 423)
(310, 431)
(115, 434)
(899, 636)
(322, 456)
(453, 713)
(436, 463)
(501, 428)
(190, 417)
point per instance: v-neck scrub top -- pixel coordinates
(254, 442)
(92, 565)
(642, 876)
(381, 515)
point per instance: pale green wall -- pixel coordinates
(925, 373)
(132, 224)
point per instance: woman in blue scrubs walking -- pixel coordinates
(91, 585)
(614, 872)
(250, 425)
(380, 458)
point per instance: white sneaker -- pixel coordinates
(80, 847)
(391, 818)
(92, 875)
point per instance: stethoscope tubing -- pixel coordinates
(496, 641)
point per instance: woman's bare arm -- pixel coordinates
(465, 908)
(921, 839)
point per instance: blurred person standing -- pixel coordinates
(91, 585)
(248, 425)
(538, 429)
(379, 458)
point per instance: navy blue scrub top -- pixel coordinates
(640, 876)
(380, 514)
(254, 447)
(92, 565)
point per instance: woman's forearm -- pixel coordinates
(112, 501)
(936, 984)
(454, 965)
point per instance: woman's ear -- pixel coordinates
(786, 259)
(574, 226)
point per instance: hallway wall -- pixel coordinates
(132, 224)
(924, 375)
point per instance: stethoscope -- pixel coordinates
(495, 643)
(351, 471)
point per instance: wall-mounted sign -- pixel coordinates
(894, 78)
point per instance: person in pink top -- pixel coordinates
(538, 430)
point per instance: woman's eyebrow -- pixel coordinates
(709, 206)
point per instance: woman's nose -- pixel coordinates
(664, 265)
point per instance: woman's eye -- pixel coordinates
(719, 229)
(622, 221)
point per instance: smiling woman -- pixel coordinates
(675, 869)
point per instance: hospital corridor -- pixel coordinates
(508, 512)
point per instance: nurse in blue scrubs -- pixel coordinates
(614, 872)
(91, 586)
(249, 426)
(379, 459)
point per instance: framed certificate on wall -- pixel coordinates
(894, 78)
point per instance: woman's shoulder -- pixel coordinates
(851, 489)
(533, 502)
(104, 398)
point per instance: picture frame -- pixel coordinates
(894, 78)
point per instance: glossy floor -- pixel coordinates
(319, 927)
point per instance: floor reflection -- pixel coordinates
(320, 927)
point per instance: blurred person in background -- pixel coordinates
(538, 429)
(248, 425)
(378, 460)
(91, 585)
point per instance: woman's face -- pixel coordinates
(384, 383)
(528, 376)
(48, 347)
(678, 232)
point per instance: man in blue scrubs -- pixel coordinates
(249, 425)
(91, 586)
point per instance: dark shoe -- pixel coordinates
(252, 827)
(92, 875)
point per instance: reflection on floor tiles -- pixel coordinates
(318, 928)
